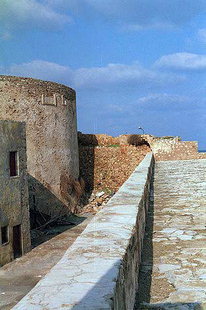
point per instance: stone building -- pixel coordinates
(49, 111)
(14, 205)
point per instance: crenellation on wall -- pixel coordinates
(56, 100)
(52, 100)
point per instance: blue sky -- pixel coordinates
(132, 62)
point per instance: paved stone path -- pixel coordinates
(173, 270)
(20, 276)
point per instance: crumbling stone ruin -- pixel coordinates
(14, 206)
(106, 162)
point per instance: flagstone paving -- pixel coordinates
(20, 276)
(173, 269)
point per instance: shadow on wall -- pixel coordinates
(143, 295)
(92, 301)
(87, 144)
(48, 215)
(136, 140)
(173, 306)
(146, 266)
(103, 288)
(44, 205)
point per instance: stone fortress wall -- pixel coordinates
(14, 204)
(49, 110)
(163, 148)
(100, 269)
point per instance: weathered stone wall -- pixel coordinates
(14, 204)
(100, 269)
(163, 148)
(106, 140)
(49, 110)
(106, 168)
(173, 149)
(106, 162)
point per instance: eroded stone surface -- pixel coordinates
(174, 261)
(51, 136)
(20, 276)
(14, 210)
(99, 271)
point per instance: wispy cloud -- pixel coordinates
(133, 75)
(138, 14)
(182, 61)
(202, 35)
(23, 14)
(113, 75)
(131, 14)
(165, 101)
(41, 70)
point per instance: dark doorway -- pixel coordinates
(13, 164)
(4, 235)
(17, 246)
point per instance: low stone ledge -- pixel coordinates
(99, 271)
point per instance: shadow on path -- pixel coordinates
(145, 272)
(143, 296)
(173, 306)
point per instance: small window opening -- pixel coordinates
(17, 243)
(13, 164)
(4, 235)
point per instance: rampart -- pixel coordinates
(49, 110)
(173, 149)
(99, 271)
(163, 148)
(106, 166)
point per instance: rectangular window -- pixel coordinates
(13, 164)
(4, 235)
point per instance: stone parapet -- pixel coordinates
(100, 269)
(175, 150)
(163, 148)
(106, 140)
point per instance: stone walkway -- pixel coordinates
(20, 276)
(173, 270)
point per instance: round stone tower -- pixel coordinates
(49, 110)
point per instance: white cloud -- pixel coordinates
(41, 70)
(131, 14)
(139, 27)
(110, 76)
(202, 35)
(5, 35)
(182, 61)
(163, 100)
(18, 14)
(138, 13)
(113, 74)
(170, 102)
